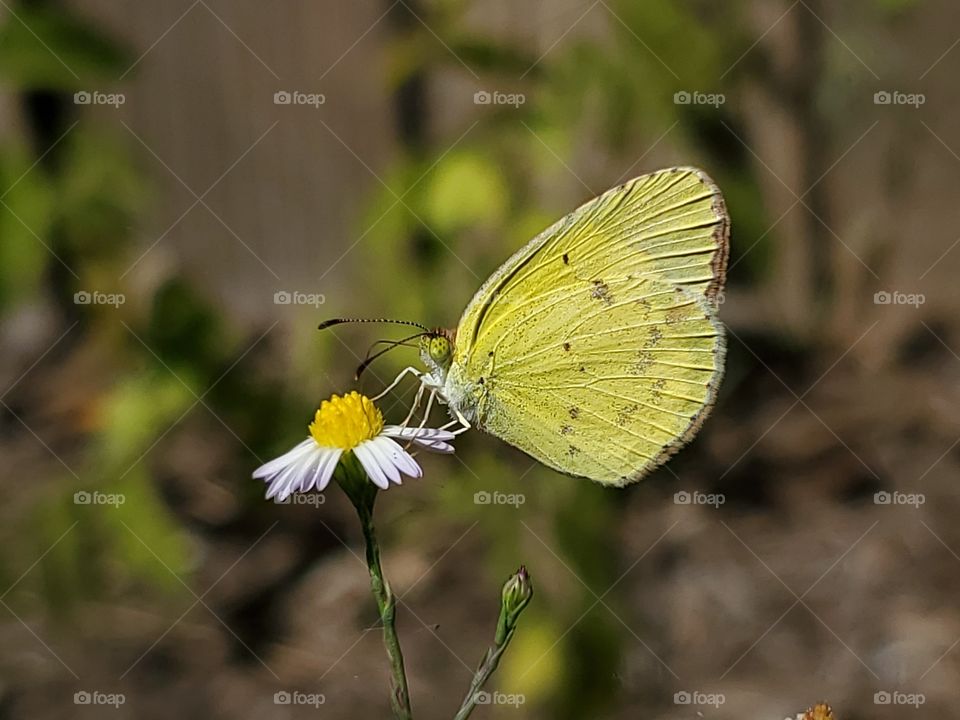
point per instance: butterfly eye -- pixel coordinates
(440, 350)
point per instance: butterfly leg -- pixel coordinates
(464, 423)
(426, 414)
(413, 408)
(403, 374)
(460, 421)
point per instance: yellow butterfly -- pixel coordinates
(596, 349)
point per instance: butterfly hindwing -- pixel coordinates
(623, 383)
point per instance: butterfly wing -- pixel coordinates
(597, 345)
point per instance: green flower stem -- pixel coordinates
(487, 667)
(363, 494)
(387, 605)
(515, 596)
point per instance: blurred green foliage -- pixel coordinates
(29, 204)
(70, 195)
(42, 46)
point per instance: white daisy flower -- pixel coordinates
(351, 423)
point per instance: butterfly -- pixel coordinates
(596, 348)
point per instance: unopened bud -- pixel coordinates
(515, 596)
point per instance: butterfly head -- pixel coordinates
(436, 345)
(436, 351)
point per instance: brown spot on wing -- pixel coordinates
(658, 386)
(626, 413)
(643, 363)
(601, 292)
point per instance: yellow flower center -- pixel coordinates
(345, 422)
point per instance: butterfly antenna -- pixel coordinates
(341, 321)
(391, 344)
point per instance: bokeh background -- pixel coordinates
(152, 226)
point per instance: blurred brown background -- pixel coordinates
(159, 203)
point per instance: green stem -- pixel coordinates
(514, 598)
(487, 667)
(387, 605)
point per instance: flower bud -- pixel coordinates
(514, 597)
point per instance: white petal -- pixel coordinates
(372, 467)
(386, 463)
(433, 445)
(437, 446)
(295, 476)
(427, 438)
(277, 481)
(312, 473)
(280, 463)
(398, 456)
(417, 433)
(308, 471)
(325, 470)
